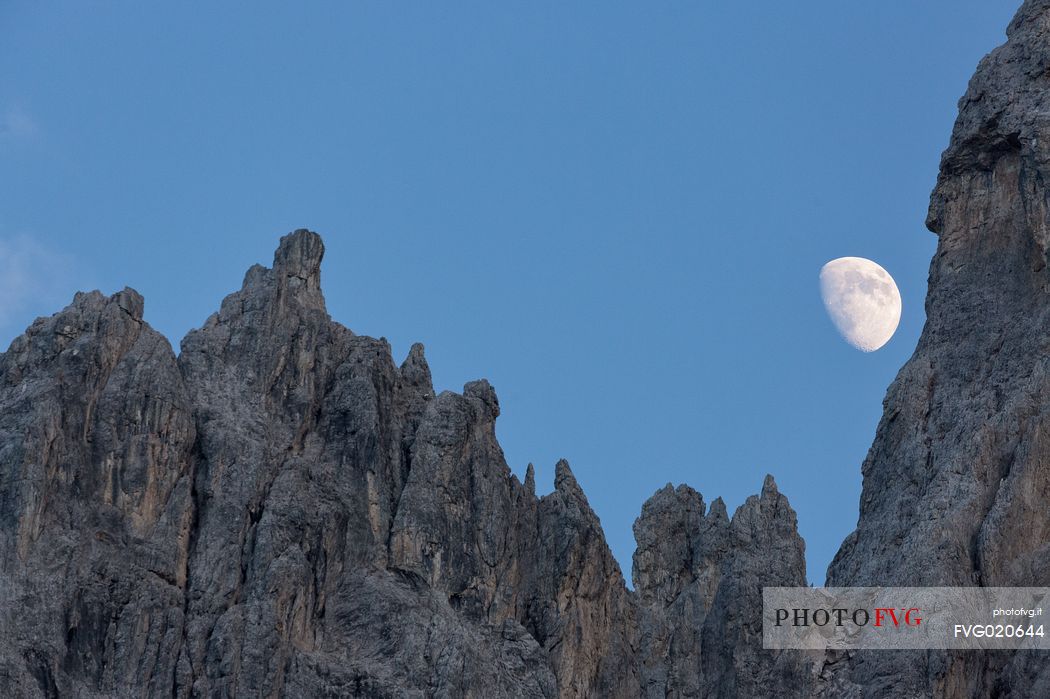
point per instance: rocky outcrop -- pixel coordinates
(956, 482)
(699, 578)
(96, 503)
(283, 511)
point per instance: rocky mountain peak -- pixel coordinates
(565, 480)
(283, 511)
(415, 369)
(483, 391)
(131, 302)
(769, 487)
(705, 568)
(530, 479)
(298, 258)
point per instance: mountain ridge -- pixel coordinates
(283, 510)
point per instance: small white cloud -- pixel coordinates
(16, 124)
(34, 280)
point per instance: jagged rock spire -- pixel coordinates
(298, 257)
(282, 510)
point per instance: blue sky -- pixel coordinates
(614, 212)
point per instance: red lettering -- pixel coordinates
(880, 615)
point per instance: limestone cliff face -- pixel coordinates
(697, 575)
(282, 510)
(956, 482)
(96, 502)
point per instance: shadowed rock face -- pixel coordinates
(956, 482)
(96, 505)
(283, 511)
(696, 575)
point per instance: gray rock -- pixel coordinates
(282, 511)
(96, 470)
(699, 580)
(956, 481)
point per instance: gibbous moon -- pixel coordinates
(862, 300)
